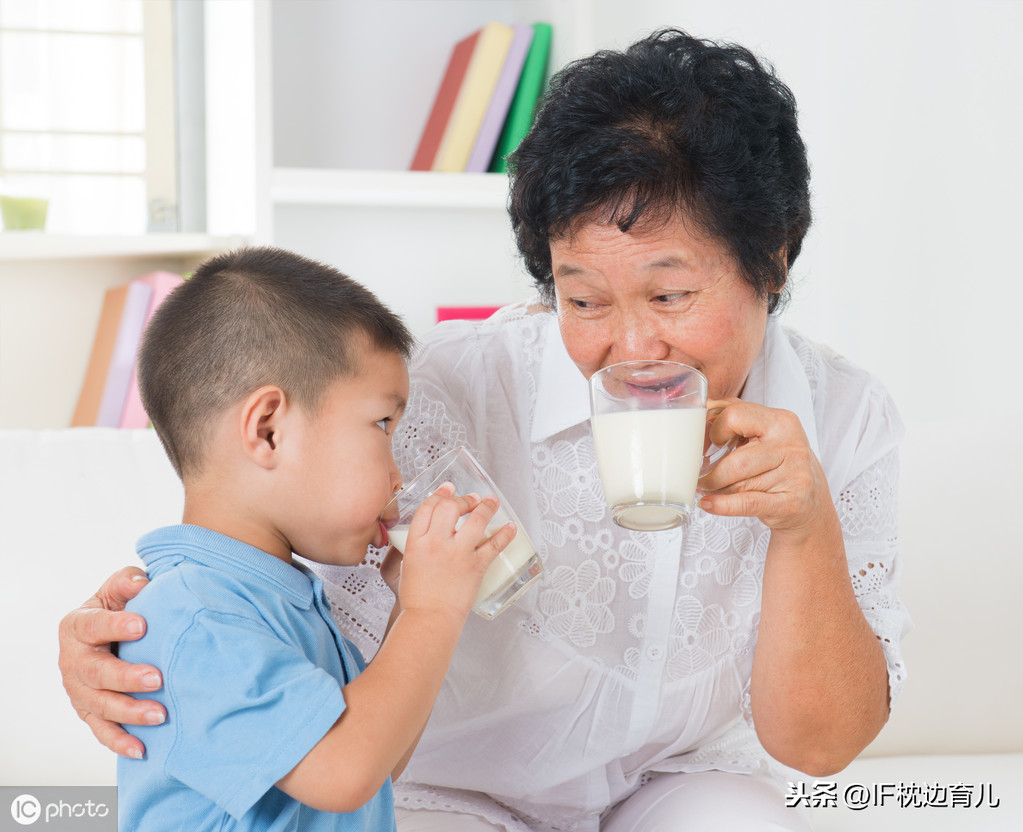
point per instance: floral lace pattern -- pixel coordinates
(661, 626)
(867, 508)
(425, 434)
(576, 603)
(414, 796)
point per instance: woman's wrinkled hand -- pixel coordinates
(772, 475)
(96, 681)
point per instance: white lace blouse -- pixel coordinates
(633, 654)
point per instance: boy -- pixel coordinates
(275, 384)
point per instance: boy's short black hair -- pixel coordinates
(247, 318)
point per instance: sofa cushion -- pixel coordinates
(72, 504)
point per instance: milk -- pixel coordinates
(650, 457)
(500, 573)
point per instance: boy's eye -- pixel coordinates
(383, 423)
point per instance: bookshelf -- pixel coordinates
(338, 186)
(311, 126)
(395, 189)
(52, 288)
(23, 247)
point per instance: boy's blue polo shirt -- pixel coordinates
(253, 667)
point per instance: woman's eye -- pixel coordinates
(582, 304)
(671, 297)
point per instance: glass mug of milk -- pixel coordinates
(516, 568)
(650, 434)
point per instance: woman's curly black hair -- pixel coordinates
(672, 126)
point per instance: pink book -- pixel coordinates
(497, 110)
(129, 330)
(161, 284)
(465, 313)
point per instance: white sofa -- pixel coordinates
(73, 502)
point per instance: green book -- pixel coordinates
(527, 93)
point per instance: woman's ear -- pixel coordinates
(783, 260)
(262, 422)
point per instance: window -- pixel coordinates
(87, 112)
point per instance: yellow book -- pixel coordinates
(474, 96)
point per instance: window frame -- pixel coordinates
(159, 133)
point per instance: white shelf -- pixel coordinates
(37, 245)
(388, 189)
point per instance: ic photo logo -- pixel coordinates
(60, 808)
(26, 809)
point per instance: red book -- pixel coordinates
(444, 103)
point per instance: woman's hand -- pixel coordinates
(95, 679)
(819, 690)
(772, 475)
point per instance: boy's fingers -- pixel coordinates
(490, 548)
(475, 524)
(445, 506)
(423, 516)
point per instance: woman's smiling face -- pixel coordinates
(658, 292)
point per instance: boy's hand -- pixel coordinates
(94, 678)
(445, 559)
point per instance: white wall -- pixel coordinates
(913, 115)
(414, 260)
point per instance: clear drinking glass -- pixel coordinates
(516, 568)
(651, 436)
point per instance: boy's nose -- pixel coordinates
(396, 478)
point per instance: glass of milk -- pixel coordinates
(650, 434)
(517, 567)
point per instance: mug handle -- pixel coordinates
(715, 453)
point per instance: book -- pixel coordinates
(122, 358)
(497, 110)
(523, 105)
(133, 415)
(465, 313)
(443, 103)
(91, 392)
(474, 95)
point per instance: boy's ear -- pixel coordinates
(262, 420)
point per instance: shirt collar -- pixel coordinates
(777, 379)
(562, 394)
(163, 548)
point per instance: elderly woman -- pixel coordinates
(664, 680)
